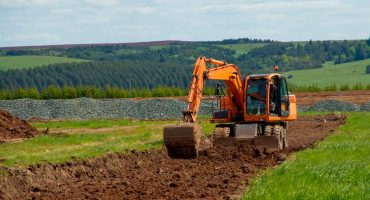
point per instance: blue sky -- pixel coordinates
(40, 22)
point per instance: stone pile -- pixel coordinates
(86, 108)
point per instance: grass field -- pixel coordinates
(84, 139)
(351, 73)
(20, 62)
(338, 168)
(242, 48)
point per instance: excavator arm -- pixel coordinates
(182, 140)
(228, 73)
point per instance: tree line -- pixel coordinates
(172, 65)
(123, 74)
(70, 92)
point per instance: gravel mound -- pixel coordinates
(334, 105)
(14, 128)
(366, 107)
(86, 108)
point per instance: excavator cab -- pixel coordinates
(267, 95)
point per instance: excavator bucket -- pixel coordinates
(182, 140)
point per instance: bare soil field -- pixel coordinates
(13, 128)
(309, 98)
(216, 174)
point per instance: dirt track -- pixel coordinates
(218, 174)
(309, 98)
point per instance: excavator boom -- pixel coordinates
(182, 140)
(221, 70)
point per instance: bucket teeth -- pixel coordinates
(182, 140)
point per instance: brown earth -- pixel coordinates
(309, 98)
(216, 174)
(13, 128)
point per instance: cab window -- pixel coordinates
(284, 98)
(256, 96)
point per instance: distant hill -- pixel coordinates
(65, 46)
(22, 62)
(170, 63)
(350, 73)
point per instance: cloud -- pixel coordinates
(28, 38)
(145, 10)
(46, 36)
(89, 21)
(103, 2)
(25, 3)
(271, 6)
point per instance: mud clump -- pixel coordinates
(218, 173)
(13, 128)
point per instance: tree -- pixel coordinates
(33, 93)
(69, 92)
(368, 42)
(360, 52)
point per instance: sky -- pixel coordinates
(45, 22)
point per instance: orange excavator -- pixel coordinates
(252, 111)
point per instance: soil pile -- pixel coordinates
(13, 128)
(216, 174)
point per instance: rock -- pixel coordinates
(258, 151)
(211, 185)
(173, 184)
(281, 157)
(138, 164)
(269, 151)
(245, 168)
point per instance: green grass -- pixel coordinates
(86, 140)
(338, 168)
(20, 62)
(95, 123)
(59, 148)
(241, 48)
(157, 47)
(351, 73)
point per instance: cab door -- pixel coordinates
(284, 97)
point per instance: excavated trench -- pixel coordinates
(216, 174)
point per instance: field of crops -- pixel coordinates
(350, 74)
(23, 62)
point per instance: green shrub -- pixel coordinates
(344, 88)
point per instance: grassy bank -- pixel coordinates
(338, 168)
